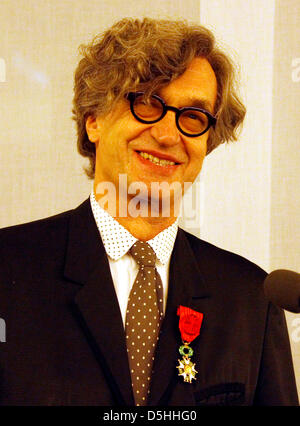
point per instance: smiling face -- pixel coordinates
(154, 152)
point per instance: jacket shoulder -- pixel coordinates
(222, 263)
(39, 242)
(32, 233)
(36, 242)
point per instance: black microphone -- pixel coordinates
(282, 287)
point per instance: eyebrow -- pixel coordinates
(198, 103)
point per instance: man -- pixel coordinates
(111, 303)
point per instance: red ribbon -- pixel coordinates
(189, 323)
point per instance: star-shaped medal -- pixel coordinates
(187, 369)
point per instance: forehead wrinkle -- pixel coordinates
(199, 102)
(192, 101)
(188, 70)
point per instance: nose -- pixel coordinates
(165, 131)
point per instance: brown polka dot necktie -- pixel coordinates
(143, 319)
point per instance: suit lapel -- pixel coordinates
(96, 306)
(187, 288)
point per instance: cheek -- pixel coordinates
(197, 150)
(118, 141)
(125, 131)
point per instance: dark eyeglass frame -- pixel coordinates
(131, 96)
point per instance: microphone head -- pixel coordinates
(282, 287)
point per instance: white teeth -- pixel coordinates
(156, 160)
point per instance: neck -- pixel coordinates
(144, 229)
(147, 223)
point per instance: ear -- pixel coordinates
(92, 128)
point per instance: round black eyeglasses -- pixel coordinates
(190, 121)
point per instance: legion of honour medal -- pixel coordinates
(189, 325)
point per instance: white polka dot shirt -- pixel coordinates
(117, 241)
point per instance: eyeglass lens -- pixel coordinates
(190, 121)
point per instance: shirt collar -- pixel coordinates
(117, 240)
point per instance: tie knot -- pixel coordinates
(143, 254)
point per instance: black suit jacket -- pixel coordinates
(65, 342)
